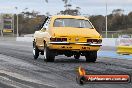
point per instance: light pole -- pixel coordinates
(17, 22)
(1, 22)
(13, 25)
(106, 19)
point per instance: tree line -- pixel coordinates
(117, 21)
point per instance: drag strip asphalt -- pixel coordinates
(18, 69)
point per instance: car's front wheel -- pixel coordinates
(35, 51)
(48, 54)
(91, 56)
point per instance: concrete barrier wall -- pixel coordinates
(105, 42)
(8, 38)
(25, 39)
(109, 41)
(29, 35)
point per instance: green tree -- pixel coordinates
(130, 20)
(28, 22)
(99, 22)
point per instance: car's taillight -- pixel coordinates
(58, 39)
(52, 39)
(100, 41)
(89, 40)
(64, 39)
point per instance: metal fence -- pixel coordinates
(114, 34)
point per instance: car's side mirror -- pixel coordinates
(43, 29)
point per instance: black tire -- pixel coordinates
(48, 54)
(77, 56)
(125, 54)
(91, 56)
(35, 51)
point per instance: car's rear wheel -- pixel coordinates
(77, 56)
(48, 54)
(91, 56)
(35, 51)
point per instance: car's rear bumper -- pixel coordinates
(76, 43)
(74, 46)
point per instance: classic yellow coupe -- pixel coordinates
(67, 35)
(124, 45)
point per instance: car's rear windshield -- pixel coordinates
(69, 22)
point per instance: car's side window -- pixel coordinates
(46, 25)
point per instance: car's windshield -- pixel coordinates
(68, 22)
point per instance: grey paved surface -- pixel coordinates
(18, 69)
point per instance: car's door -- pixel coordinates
(43, 34)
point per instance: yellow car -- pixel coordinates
(67, 35)
(125, 50)
(124, 46)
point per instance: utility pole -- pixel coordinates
(17, 21)
(13, 24)
(1, 21)
(106, 19)
(17, 26)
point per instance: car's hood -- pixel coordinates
(72, 32)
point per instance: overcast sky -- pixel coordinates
(90, 7)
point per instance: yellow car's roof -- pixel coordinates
(68, 16)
